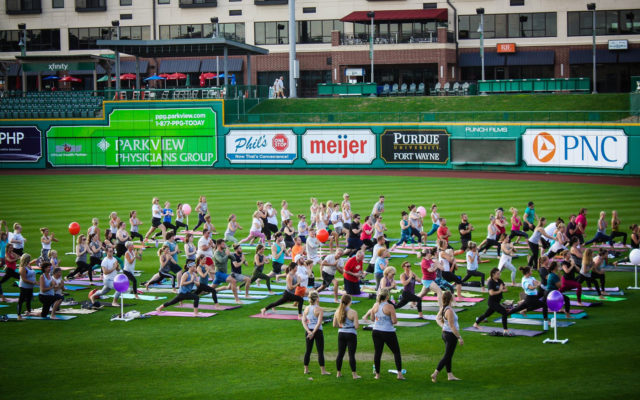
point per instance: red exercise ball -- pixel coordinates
(74, 228)
(322, 235)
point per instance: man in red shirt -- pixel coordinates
(353, 273)
(581, 224)
(443, 231)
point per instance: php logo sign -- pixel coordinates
(339, 146)
(589, 148)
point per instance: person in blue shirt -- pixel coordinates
(532, 300)
(167, 215)
(554, 283)
(530, 218)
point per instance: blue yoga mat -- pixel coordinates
(559, 316)
(59, 317)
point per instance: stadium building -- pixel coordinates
(413, 41)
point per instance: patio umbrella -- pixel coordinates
(161, 77)
(70, 78)
(104, 78)
(51, 78)
(205, 77)
(128, 77)
(176, 76)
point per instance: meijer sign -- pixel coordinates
(339, 146)
(593, 148)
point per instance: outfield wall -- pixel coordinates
(193, 134)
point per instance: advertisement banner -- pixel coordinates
(339, 146)
(181, 137)
(429, 146)
(20, 144)
(261, 146)
(594, 148)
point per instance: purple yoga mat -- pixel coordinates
(83, 283)
(329, 292)
(180, 314)
(11, 300)
(516, 332)
(275, 316)
(467, 299)
(210, 307)
(571, 311)
(584, 303)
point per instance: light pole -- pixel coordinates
(116, 24)
(480, 11)
(23, 39)
(523, 19)
(592, 7)
(371, 15)
(294, 68)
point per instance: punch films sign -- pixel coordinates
(181, 137)
(339, 146)
(20, 144)
(594, 148)
(261, 147)
(415, 146)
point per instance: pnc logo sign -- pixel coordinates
(591, 148)
(544, 147)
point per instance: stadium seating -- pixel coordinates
(61, 104)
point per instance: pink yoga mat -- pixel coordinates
(11, 300)
(329, 292)
(210, 307)
(83, 283)
(275, 316)
(467, 299)
(571, 311)
(180, 314)
(405, 251)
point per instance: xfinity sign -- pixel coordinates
(591, 148)
(339, 146)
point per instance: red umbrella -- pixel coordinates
(70, 78)
(208, 75)
(127, 77)
(176, 76)
(164, 76)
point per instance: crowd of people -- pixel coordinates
(557, 251)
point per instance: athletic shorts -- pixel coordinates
(238, 277)
(155, 222)
(354, 243)
(277, 267)
(327, 279)
(426, 283)
(221, 277)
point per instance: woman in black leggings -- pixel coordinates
(289, 293)
(532, 302)
(187, 283)
(408, 279)
(312, 324)
(346, 320)
(448, 321)
(384, 332)
(205, 271)
(496, 288)
(165, 268)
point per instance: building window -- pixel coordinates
(270, 2)
(608, 22)
(91, 5)
(57, 4)
(126, 16)
(126, 2)
(85, 38)
(508, 25)
(198, 3)
(229, 31)
(308, 10)
(164, 1)
(235, 12)
(37, 40)
(271, 32)
(516, 2)
(427, 6)
(24, 6)
(318, 31)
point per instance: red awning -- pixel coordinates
(438, 14)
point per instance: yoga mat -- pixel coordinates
(607, 293)
(141, 297)
(159, 290)
(572, 311)
(330, 300)
(3, 306)
(293, 306)
(70, 311)
(10, 300)
(83, 283)
(465, 299)
(473, 289)
(460, 260)
(405, 251)
(533, 322)
(275, 316)
(59, 317)
(263, 293)
(217, 307)
(516, 332)
(241, 296)
(371, 290)
(609, 289)
(590, 297)
(180, 314)
(410, 316)
(14, 294)
(585, 304)
(559, 316)
(74, 288)
(226, 301)
(435, 305)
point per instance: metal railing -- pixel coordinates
(221, 92)
(363, 39)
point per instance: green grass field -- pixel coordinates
(522, 107)
(233, 356)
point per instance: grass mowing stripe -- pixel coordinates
(249, 358)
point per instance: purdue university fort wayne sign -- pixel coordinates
(415, 146)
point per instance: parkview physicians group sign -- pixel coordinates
(596, 148)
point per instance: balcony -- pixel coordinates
(17, 7)
(198, 3)
(363, 39)
(270, 2)
(91, 5)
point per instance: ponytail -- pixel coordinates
(525, 270)
(313, 297)
(542, 260)
(382, 295)
(341, 312)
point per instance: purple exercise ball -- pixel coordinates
(121, 283)
(555, 301)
